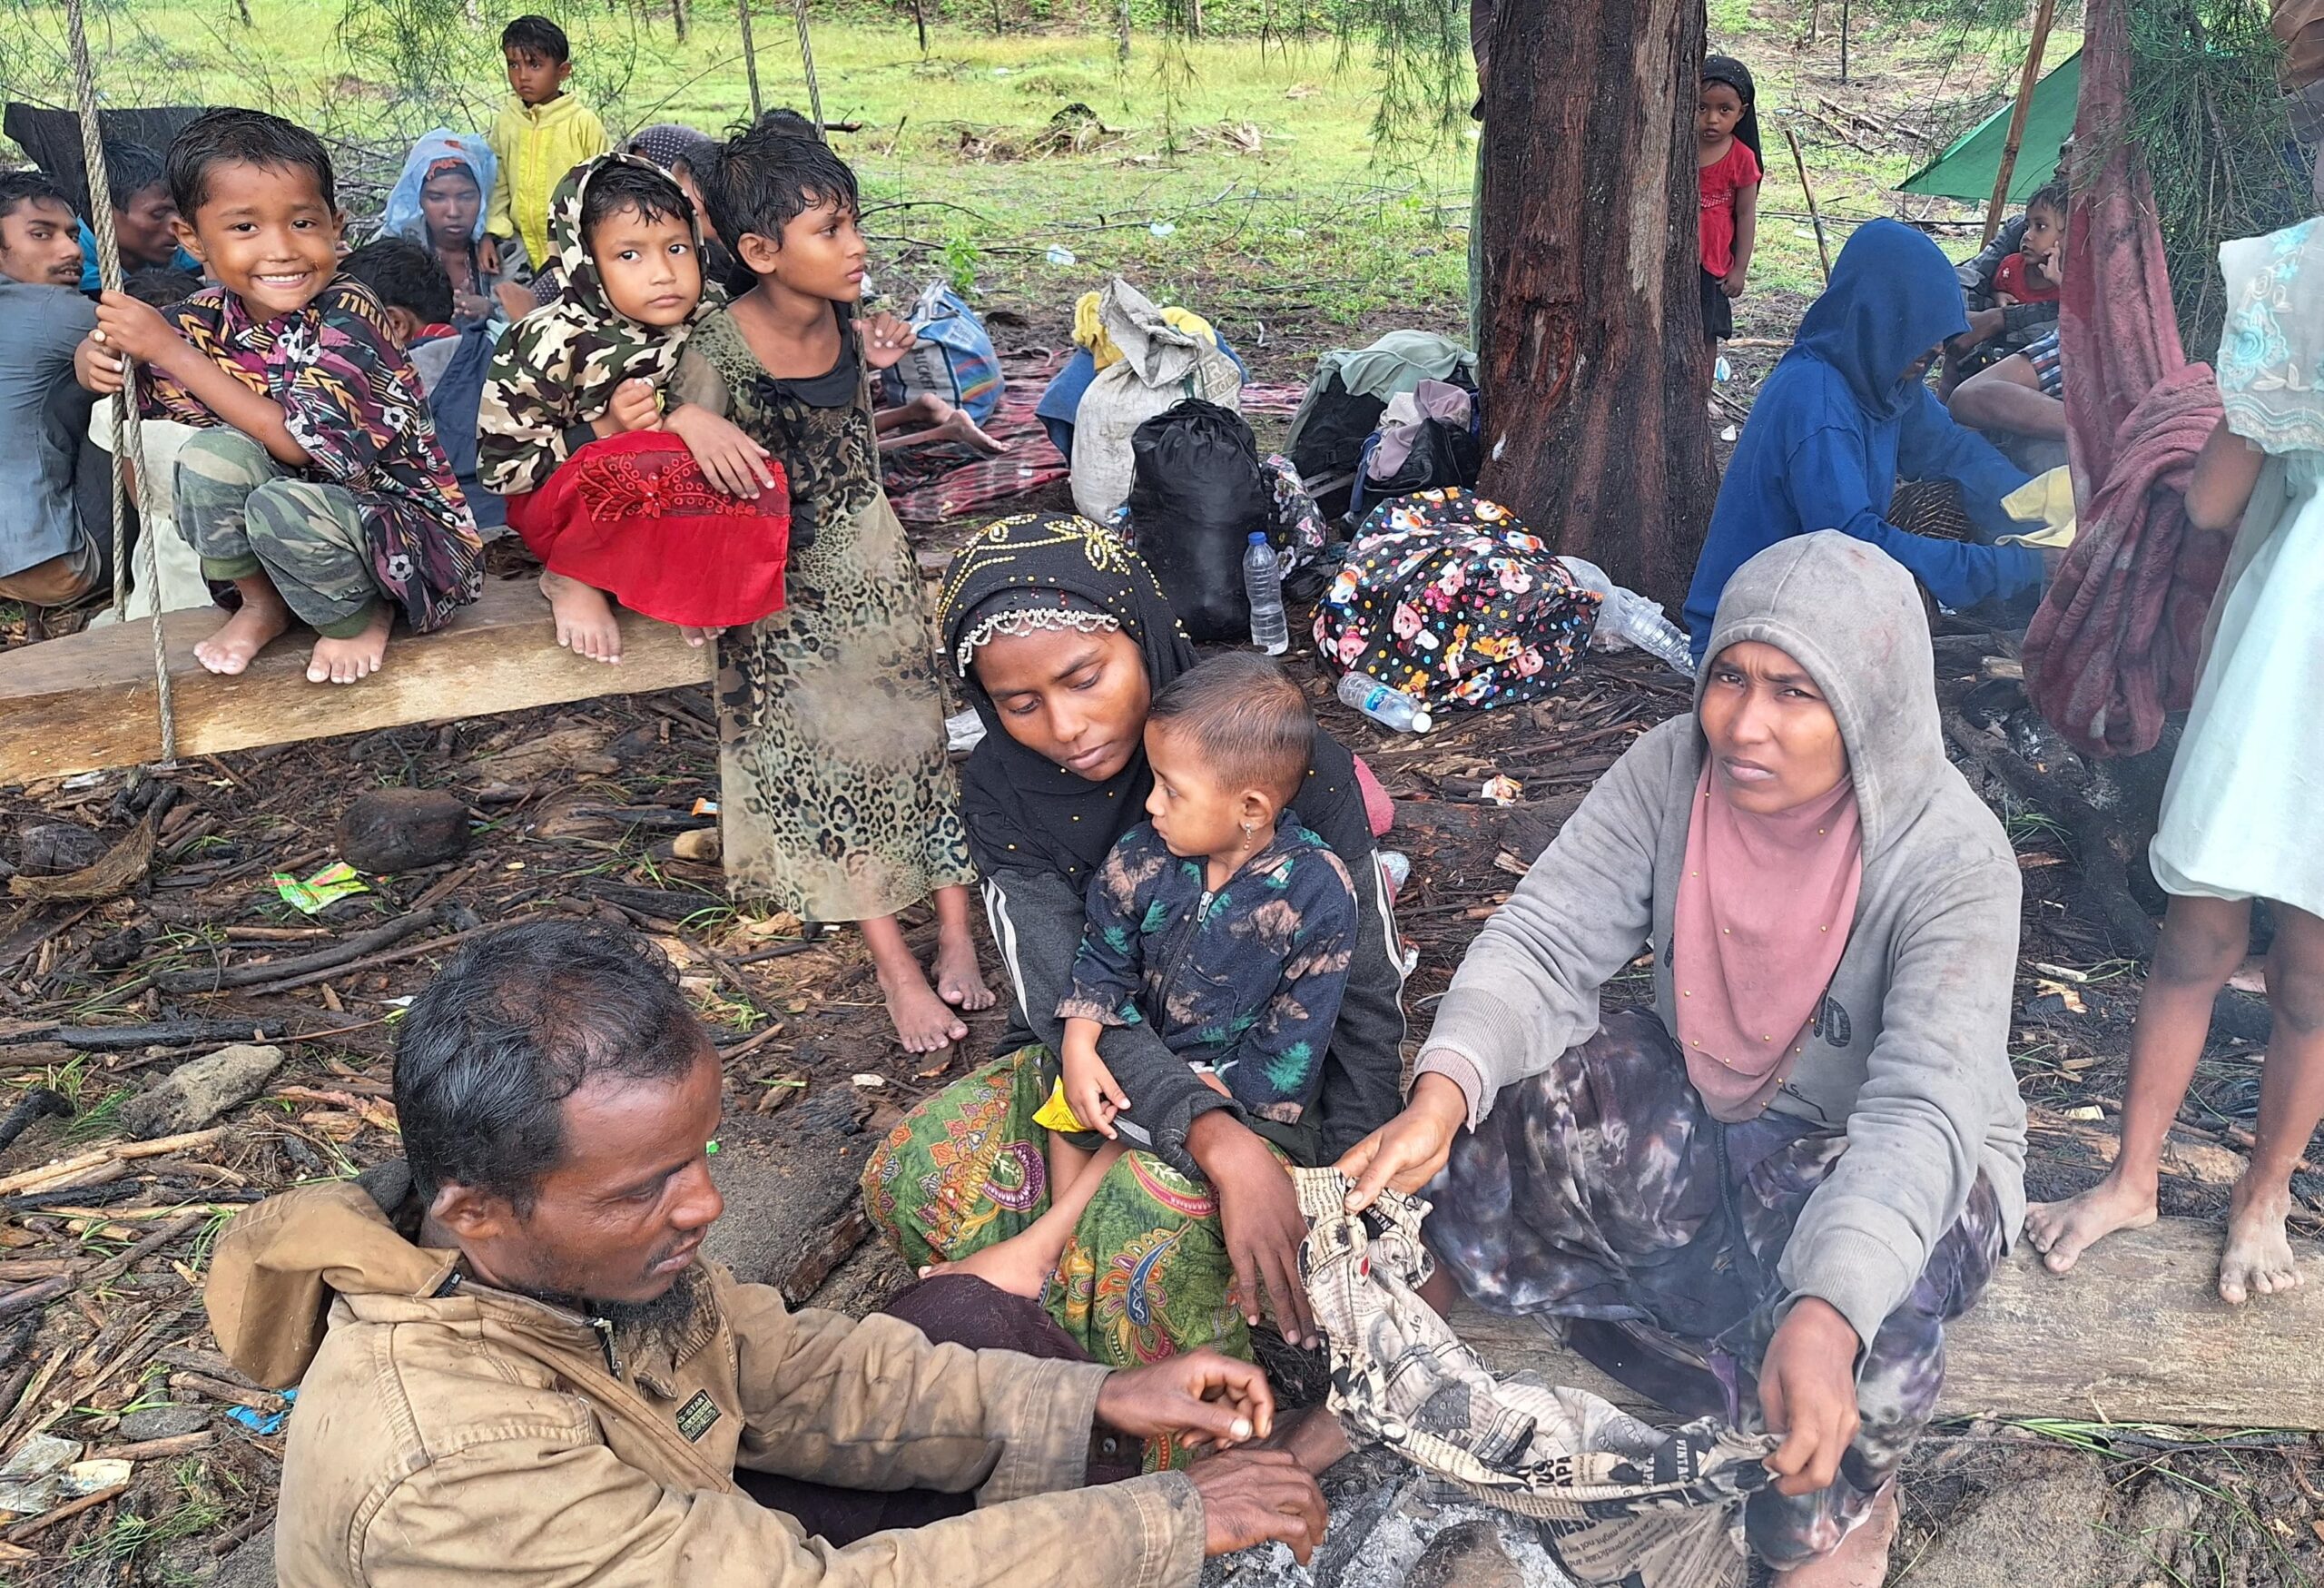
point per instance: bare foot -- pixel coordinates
(1861, 1560)
(959, 427)
(925, 1023)
(698, 638)
(584, 618)
(959, 980)
(1019, 1265)
(2063, 1232)
(2258, 1260)
(242, 636)
(344, 661)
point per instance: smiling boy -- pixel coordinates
(317, 488)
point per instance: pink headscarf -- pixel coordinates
(1762, 920)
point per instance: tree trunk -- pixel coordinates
(919, 22)
(678, 18)
(1193, 17)
(1595, 364)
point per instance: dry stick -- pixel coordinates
(216, 980)
(113, 1267)
(369, 962)
(1815, 213)
(36, 1179)
(158, 1449)
(25, 1530)
(47, 1290)
(2026, 82)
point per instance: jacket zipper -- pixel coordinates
(605, 1332)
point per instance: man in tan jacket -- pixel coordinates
(512, 1368)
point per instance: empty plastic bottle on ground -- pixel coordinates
(1263, 583)
(1382, 705)
(1629, 618)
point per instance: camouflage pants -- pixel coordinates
(1603, 1193)
(246, 515)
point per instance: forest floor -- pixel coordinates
(583, 811)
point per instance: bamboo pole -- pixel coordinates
(2027, 81)
(1814, 211)
(750, 58)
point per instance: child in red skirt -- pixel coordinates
(667, 508)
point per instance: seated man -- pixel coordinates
(513, 1364)
(144, 218)
(2019, 404)
(1845, 414)
(47, 557)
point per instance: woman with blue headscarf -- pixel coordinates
(439, 201)
(1846, 413)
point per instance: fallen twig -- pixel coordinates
(64, 1513)
(216, 979)
(39, 1179)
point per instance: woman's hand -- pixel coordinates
(129, 326)
(487, 254)
(1733, 283)
(1807, 1394)
(886, 338)
(1409, 1150)
(1090, 1090)
(1259, 1218)
(727, 457)
(1204, 1396)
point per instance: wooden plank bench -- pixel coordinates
(86, 701)
(2136, 1334)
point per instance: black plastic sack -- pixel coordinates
(1195, 495)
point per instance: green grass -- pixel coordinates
(1318, 222)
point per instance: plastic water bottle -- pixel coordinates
(1382, 705)
(1263, 583)
(1627, 618)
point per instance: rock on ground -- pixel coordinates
(391, 830)
(2060, 1523)
(200, 1090)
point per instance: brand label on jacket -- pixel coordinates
(695, 1418)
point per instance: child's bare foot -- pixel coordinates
(344, 661)
(262, 618)
(2258, 1260)
(698, 638)
(960, 982)
(586, 625)
(959, 427)
(925, 1023)
(2063, 1232)
(1019, 1265)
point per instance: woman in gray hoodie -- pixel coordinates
(1772, 1190)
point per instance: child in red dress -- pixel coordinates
(670, 509)
(1726, 133)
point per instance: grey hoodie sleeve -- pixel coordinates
(1528, 989)
(1938, 1077)
(1037, 919)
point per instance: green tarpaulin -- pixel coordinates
(1966, 171)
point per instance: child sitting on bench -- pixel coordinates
(317, 488)
(670, 509)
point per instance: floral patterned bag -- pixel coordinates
(1449, 597)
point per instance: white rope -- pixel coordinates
(127, 445)
(807, 57)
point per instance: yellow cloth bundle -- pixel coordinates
(1087, 332)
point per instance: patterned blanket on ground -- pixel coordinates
(945, 481)
(1619, 1500)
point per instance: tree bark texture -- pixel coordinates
(1595, 367)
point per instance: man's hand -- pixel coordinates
(1258, 1496)
(1808, 1394)
(637, 406)
(886, 338)
(727, 457)
(98, 369)
(1409, 1150)
(1735, 281)
(128, 325)
(1259, 1214)
(1202, 1397)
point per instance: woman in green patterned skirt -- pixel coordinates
(1061, 636)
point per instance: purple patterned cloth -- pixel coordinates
(1602, 1191)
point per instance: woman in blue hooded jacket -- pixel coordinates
(1845, 414)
